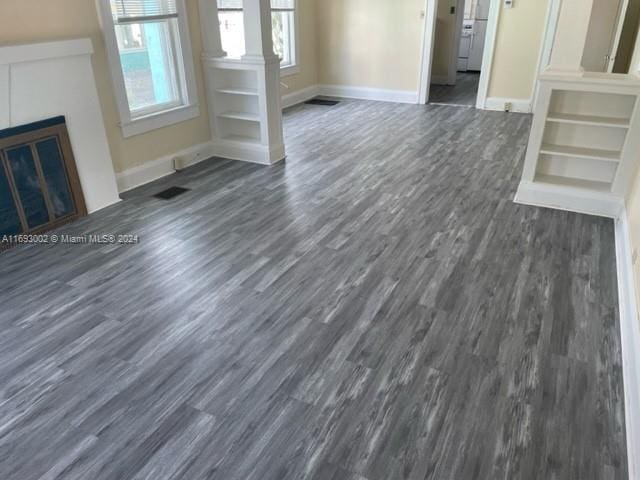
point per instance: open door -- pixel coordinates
(428, 40)
(605, 29)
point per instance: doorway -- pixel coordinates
(457, 49)
(456, 36)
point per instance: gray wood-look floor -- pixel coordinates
(463, 93)
(374, 308)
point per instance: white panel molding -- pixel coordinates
(41, 51)
(630, 340)
(518, 105)
(161, 167)
(570, 199)
(368, 93)
(300, 96)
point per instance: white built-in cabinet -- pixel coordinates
(243, 93)
(583, 143)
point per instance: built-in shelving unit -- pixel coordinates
(580, 152)
(238, 91)
(240, 111)
(581, 141)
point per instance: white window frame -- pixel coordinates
(294, 67)
(153, 119)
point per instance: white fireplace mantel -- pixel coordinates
(44, 80)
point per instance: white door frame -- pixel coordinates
(457, 33)
(488, 54)
(428, 40)
(426, 54)
(548, 38)
(617, 35)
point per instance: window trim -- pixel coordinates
(188, 109)
(294, 67)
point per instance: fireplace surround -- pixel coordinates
(54, 79)
(39, 184)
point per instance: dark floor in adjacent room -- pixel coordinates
(463, 93)
(375, 308)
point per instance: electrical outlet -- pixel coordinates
(508, 106)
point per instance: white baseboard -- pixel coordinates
(570, 199)
(245, 152)
(518, 105)
(300, 96)
(630, 339)
(150, 171)
(367, 93)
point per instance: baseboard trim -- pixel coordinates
(161, 167)
(300, 96)
(244, 152)
(368, 93)
(630, 340)
(569, 199)
(518, 105)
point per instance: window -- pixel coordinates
(152, 67)
(283, 17)
(283, 20)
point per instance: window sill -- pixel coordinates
(138, 126)
(289, 70)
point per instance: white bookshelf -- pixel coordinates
(583, 141)
(243, 94)
(245, 124)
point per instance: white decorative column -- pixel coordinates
(210, 28)
(243, 94)
(259, 51)
(571, 37)
(257, 31)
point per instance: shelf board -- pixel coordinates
(592, 120)
(239, 91)
(573, 182)
(241, 139)
(250, 117)
(581, 152)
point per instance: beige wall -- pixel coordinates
(517, 51)
(369, 43)
(28, 21)
(349, 54)
(633, 216)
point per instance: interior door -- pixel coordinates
(482, 9)
(605, 28)
(477, 45)
(428, 41)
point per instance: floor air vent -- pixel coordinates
(320, 101)
(170, 193)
